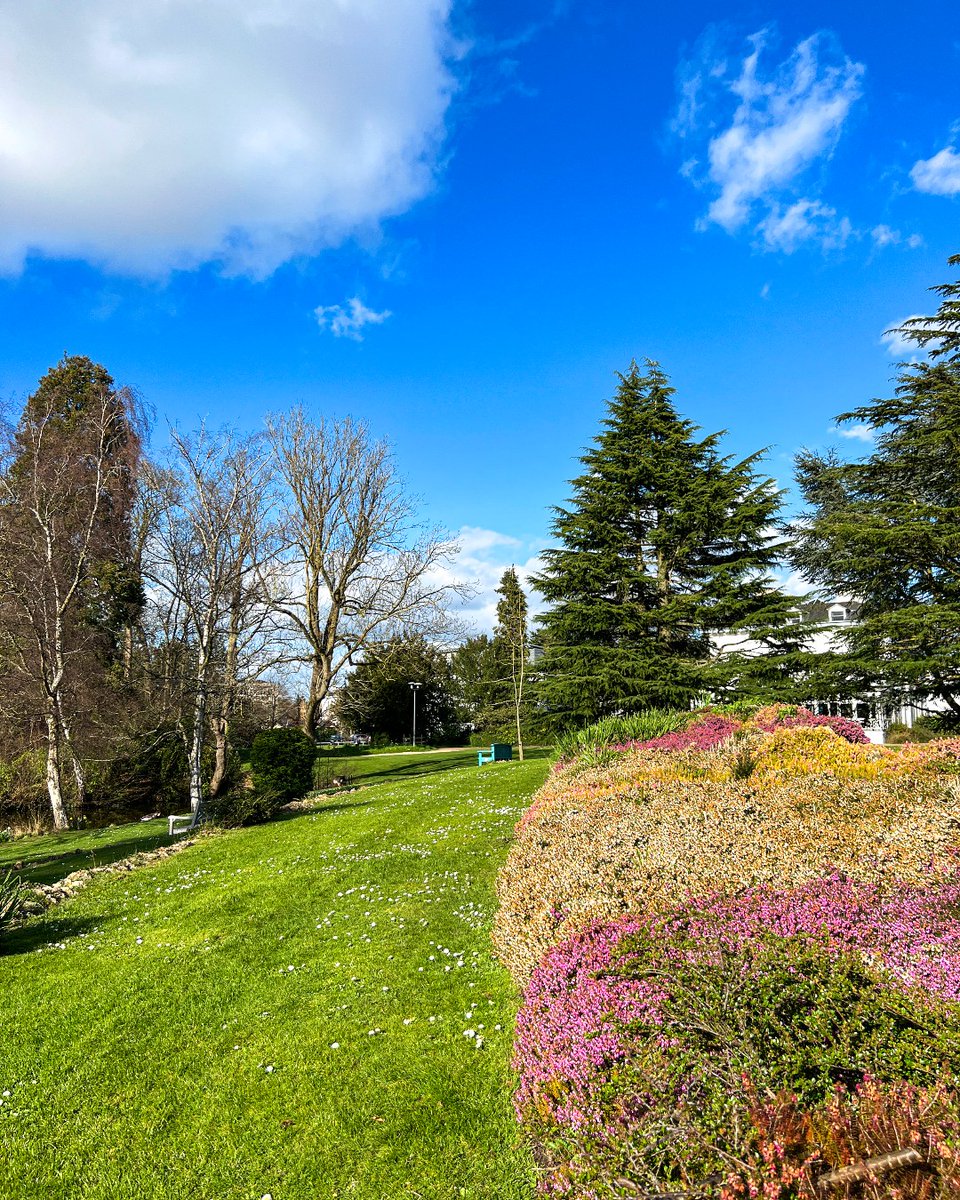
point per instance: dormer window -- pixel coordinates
(837, 614)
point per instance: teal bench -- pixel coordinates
(499, 752)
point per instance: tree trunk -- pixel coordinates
(313, 708)
(195, 749)
(518, 698)
(220, 726)
(221, 722)
(195, 753)
(54, 781)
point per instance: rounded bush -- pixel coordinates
(281, 762)
(241, 805)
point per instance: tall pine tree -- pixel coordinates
(886, 529)
(511, 634)
(665, 542)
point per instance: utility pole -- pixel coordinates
(413, 688)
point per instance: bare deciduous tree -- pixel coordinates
(363, 568)
(206, 559)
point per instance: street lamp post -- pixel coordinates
(413, 688)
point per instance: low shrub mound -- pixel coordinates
(748, 1046)
(655, 826)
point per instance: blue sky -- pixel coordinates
(459, 220)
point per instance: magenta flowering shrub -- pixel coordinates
(783, 716)
(570, 1032)
(679, 1021)
(780, 808)
(704, 734)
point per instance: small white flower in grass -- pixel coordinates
(469, 1033)
(334, 1045)
(408, 1020)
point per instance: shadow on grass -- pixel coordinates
(432, 765)
(394, 771)
(36, 867)
(39, 933)
(319, 808)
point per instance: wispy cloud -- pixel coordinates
(857, 433)
(898, 347)
(783, 120)
(939, 175)
(787, 228)
(347, 321)
(484, 556)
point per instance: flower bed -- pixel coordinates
(656, 826)
(737, 1046)
(803, 1017)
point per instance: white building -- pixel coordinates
(822, 623)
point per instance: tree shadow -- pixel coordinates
(320, 808)
(412, 770)
(43, 931)
(52, 867)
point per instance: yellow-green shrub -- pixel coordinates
(653, 828)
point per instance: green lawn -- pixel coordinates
(54, 855)
(373, 768)
(282, 1010)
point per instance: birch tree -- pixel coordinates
(363, 569)
(207, 559)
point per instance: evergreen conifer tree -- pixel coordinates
(511, 635)
(886, 529)
(664, 543)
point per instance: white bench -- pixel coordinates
(183, 824)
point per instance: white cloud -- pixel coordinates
(898, 347)
(858, 433)
(883, 235)
(787, 228)
(473, 540)
(484, 556)
(939, 175)
(791, 582)
(348, 321)
(886, 235)
(154, 136)
(783, 122)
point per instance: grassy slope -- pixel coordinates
(52, 856)
(140, 1068)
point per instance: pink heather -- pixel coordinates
(573, 1026)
